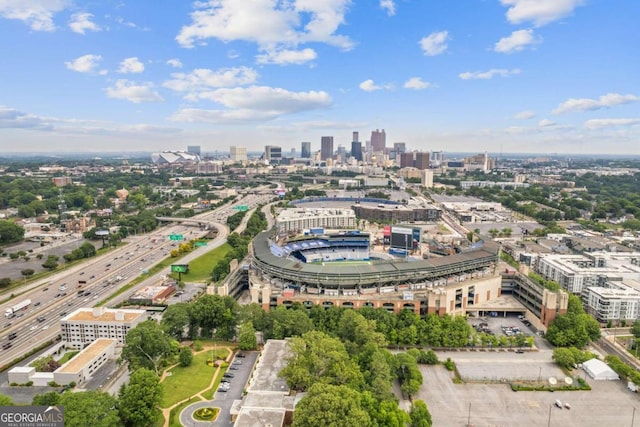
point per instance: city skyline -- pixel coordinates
(510, 76)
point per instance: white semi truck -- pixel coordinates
(11, 311)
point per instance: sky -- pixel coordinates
(502, 76)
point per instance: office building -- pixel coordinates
(406, 160)
(426, 178)
(356, 150)
(356, 137)
(273, 154)
(421, 160)
(238, 154)
(301, 219)
(326, 147)
(399, 147)
(437, 159)
(85, 325)
(378, 140)
(194, 149)
(305, 150)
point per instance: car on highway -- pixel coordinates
(45, 327)
(228, 375)
(233, 368)
(45, 289)
(37, 303)
(6, 325)
(6, 345)
(41, 319)
(64, 313)
(33, 328)
(12, 336)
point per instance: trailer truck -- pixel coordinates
(11, 311)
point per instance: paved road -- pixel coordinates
(223, 400)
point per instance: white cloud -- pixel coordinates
(84, 64)
(370, 86)
(267, 23)
(485, 75)
(136, 93)
(81, 22)
(586, 104)
(203, 79)
(525, 115)
(285, 56)
(255, 103)
(540, 12)
(38, 14)
(131, 65)
(416, 83)
(389, 6)
(594, 124)
(546, 123)
(516, 42)
(175, 63)
(264, 98)
(120, 20)
(435, 43)
(11, 118)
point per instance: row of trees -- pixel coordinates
(239, 243)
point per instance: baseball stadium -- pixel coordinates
(338, 268)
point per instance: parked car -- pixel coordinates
(558, 404)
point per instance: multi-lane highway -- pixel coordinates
(56, 296)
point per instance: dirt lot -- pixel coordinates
(609, 403)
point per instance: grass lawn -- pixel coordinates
(67, 356)
(200, 268)
(185, 382)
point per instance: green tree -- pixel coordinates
(329, 405)
(419, 414)
(564, 357)
(185, 357)
(6, 400)
(90, 409)
(27, 272)
(51, 398)
(213, 312)
(318, 357)
(408, 374)
(635, 329)
(247, 337)
(146, 346)
(176, 319)
(51, 263)
(138, 401)
(283, 323)
(10, 232)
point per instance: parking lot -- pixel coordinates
(609, 403)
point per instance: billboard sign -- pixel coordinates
(405, 237)
(180, 268)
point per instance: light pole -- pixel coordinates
(549, 422)
(469, 417)
(633, 416)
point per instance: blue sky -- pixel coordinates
(535, 76)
